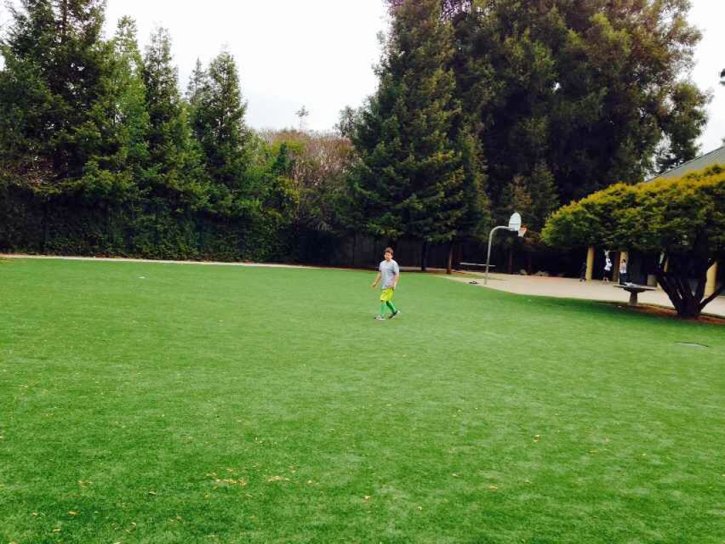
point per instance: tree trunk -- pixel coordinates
(64, 20)
(354, 245)
(676, 284)
(449, 267)
(511, 261)
(44, 241)
(424, 256)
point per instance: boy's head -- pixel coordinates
(388, 253)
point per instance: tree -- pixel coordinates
(319, 166)
(198, 82)
(54, 90)
(128, 112)
(348, 121)
(683, 220)
(409, 180)
(589, 91)
(682, 124)
(217, 116)
(176, 175)
(302, 114)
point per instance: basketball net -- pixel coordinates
(522, 231)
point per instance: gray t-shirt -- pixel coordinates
(388, 270)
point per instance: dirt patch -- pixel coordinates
(660, 311)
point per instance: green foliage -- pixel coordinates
(54, 92)
(174, 164)
(97, 155)
(483, 108)
(584, 92)
(683, 219)
(217, 118)
(411, 178)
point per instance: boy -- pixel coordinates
(389, 272)
(623, 272)
(607, 268)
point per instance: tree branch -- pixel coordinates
(712, 297)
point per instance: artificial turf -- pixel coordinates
(163, 403)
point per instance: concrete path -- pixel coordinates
(128, 260)
(573, 288)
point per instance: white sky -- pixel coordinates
(320, 53)
(290, 53)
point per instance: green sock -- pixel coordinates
(392, 307)
(382, 309)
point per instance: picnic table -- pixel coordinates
(634, 289)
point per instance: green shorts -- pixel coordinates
(386, 295)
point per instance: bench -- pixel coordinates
(477, 264)
(634, 289)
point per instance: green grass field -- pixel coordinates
(153, 403)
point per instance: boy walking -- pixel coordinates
(389, 273)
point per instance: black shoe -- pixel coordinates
(395, 314)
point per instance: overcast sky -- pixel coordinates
(320, 53)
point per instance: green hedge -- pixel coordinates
(65, 225)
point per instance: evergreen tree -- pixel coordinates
(218, 120)
(123, 115)
(176, 173)
(53, 86)
(410, 179)
(197, 84)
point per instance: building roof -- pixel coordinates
(716, 156)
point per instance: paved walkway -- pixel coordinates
(573, 288)
(154, 261)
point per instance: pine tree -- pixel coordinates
(54, 84)
(198, 82)
(410, 179)
(127, 112)
(218, 120)
(176, 173)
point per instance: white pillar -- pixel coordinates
(590, 263)
(711, 284)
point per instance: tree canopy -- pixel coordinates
(411, 179)
(683, 220)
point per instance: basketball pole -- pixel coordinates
(513, 226)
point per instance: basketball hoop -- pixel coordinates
(522, 231)
(515, 222)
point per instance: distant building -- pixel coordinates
(717, 156)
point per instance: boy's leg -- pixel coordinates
(391, 306)
(384, 298)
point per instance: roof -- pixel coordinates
(716, 156)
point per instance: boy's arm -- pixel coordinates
(377, 279)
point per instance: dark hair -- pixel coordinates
(389, 250)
